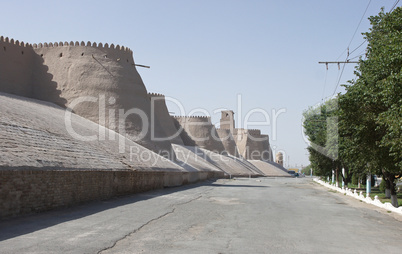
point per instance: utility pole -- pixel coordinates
(336, 62)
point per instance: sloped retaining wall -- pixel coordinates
(28, 191)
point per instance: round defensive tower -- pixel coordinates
(198, 130)
(98, 82)
(279, 158)
(253, 145)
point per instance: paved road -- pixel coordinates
(265, 215)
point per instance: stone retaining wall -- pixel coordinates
(29, 191)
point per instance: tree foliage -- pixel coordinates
(321, 128)
(368, 133)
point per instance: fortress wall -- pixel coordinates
(43, 167)
(255, 146)
(228, 141)
(105, 78)
(16, 67)
(160, 117)
(199, 131)
(258, 146)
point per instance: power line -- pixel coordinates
(341, 54)
(359, 55)
(357, 47)
(339, 80)
(325, 83)
(357, 28)
(395, 4)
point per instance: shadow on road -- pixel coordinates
(13, 227)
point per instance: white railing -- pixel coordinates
(388, 206)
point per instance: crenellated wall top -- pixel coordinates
(82, 44)
(155, 95)
(14, 42)
(254, 131)
(192, 117)
(66, 44)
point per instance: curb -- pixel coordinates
(387, 206)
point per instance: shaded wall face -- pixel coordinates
(267, 154)
(16, 68)
(259, 148)
(228, 141)
(240, 138)
(164, 128)
(187, 140)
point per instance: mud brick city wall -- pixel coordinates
(28, 191)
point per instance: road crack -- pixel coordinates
(147, 223)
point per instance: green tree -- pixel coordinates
(307, 170)
(371, 109)
(321, 128)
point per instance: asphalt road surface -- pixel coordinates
(264, 215)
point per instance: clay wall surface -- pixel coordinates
(94, 80)
(160, 116)
(268, 156)
(228, 141)
(199, 131)
(105, 74)
(255, 147)
(16, 67)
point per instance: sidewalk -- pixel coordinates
(387, 206)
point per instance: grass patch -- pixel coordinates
(355, 186)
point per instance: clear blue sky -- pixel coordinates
(206, 53)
